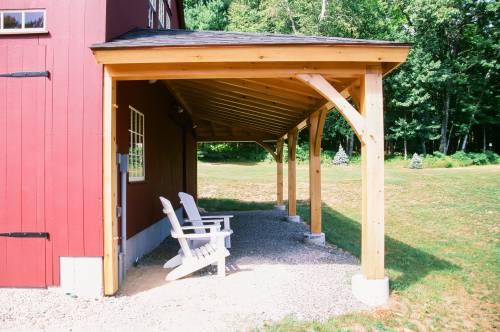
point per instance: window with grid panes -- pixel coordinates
(161, 13)
(151, 13)
(136, 152)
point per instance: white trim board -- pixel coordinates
(148, 239)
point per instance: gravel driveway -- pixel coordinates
(272, 274)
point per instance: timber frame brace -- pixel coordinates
(352, 116)
(318, 123)
(276, 153)
(292, 143)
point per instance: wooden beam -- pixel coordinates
(319, 131)
(326, 106)
(284, 99)
(246, 109)
(314, 175)
(301, 124)
(270, 117)
(109, 184)
(177, 71)
(212, 90)
(240, 120)
(237, 130)
(273, 92)
(352, 116)
(372, 155)
(355, 95)
(279, 171)
(180, 98)
(253, 53)
(292, 172)
(286, 85)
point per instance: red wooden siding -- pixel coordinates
(124, 15)
(51, 142)
(51, 135)
(163, 148)
(22, 260)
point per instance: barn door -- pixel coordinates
(22, 182)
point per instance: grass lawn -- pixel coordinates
(442, 239)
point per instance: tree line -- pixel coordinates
(444, 98)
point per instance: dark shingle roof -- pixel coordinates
(151, 37)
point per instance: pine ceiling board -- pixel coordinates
(264, 86)
(290, 85)
(197, 100)
(264, 123)
(243, 118)
(260, 92)
(208, 90)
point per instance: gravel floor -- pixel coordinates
(272, 274)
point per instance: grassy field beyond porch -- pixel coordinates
(442, 233)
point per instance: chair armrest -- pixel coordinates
(211, 217)
(204, 221)
(209, 227)
(201, 236)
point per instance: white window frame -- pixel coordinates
(137, 133)
(161, 13)
(151, 13)
(168, 16)
(23, 30)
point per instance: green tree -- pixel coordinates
(448, 89)
(206, 14)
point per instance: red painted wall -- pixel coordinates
(51, 136)
(50, 162)
(124, 15)
(163, 149)
(51, 158)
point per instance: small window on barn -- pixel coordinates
(161, 13)
(151, 13)
(22, 21)
(136, 155)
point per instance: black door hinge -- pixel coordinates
(26, 74)
(26, 234)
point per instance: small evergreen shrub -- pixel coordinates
(416, 162)
(341, 157)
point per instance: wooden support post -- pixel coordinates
(316, 121)
(279, 172)
(292, 173)
(372, 155)
(109, 184)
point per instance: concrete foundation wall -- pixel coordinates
(148, 239)
(82, 276)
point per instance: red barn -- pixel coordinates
(102, 103)
(51, 129)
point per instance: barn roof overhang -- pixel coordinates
(246, 86)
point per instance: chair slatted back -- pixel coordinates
(192, 210)
(176, 226)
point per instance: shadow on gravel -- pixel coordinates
(264, 237)
(412, 263)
